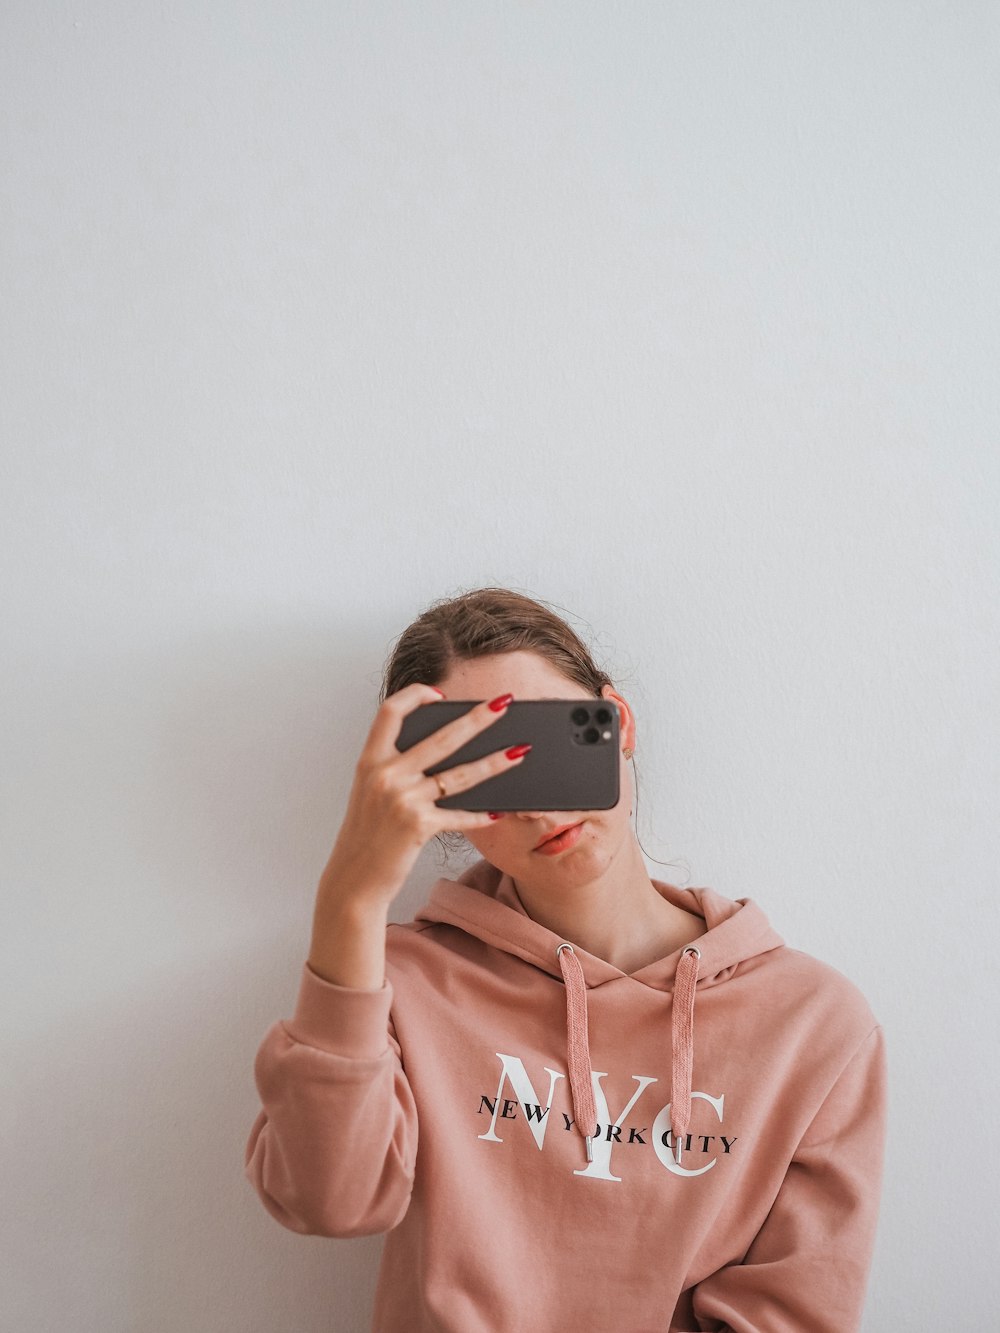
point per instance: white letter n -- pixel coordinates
(512, 1068)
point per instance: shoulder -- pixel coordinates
(403, 936)
(818, 1000)
(416, 944)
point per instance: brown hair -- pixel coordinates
(481, 622)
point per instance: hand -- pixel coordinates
(391, 811)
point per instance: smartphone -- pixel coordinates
(574, 764)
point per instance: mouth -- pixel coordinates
(555, 834)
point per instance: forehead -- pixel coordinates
(523, 673)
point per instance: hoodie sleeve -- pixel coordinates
(808, 1265)
(333, 1149)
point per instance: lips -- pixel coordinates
(554, 834)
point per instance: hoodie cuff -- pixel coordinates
(341, 1019)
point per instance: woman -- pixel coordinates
(575, 1097)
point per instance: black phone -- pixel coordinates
(573, 765)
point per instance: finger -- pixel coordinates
(467, 821)
(449, 738)
(381, 740)
(463, 777)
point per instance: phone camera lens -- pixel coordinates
(603, 715)
(592, 735)
(580, 716)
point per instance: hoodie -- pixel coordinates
(551, 1143)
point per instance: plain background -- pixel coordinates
(681, 317)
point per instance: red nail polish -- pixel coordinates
(516, 751)
(501, 701)
(441, 692)
(493, 814)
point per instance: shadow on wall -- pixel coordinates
(176, 851)
(132, 1122)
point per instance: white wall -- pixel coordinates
(680, 316)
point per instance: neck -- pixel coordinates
(616, 913)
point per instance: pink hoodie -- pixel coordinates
(551, 1143)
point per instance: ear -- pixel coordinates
(626, 720)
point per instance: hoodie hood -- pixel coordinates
(484, 903)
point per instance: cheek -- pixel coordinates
(498, 841)
(485, 839)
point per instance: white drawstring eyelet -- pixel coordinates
(564, 946)
(691, 949)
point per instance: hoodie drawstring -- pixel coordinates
(578, 1047)
(682, 1024)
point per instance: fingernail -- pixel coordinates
(516, 751)
(441, 692)
(501, 701)
(493, 814)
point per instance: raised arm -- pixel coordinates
(333, 1149)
